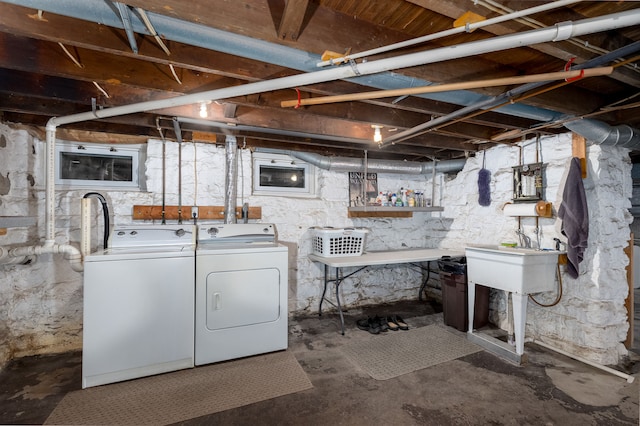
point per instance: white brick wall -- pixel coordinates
(41, 304)
(590, 320)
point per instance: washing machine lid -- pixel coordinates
(236, 234)
(151, 237)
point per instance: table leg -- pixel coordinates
(338, 281)
(324, 291)
(519, 319)
(426, 280)
(339, 278)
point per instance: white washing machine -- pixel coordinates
(138, 304)
(241, 292)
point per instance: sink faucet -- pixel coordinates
(524, 239)
(559, 244)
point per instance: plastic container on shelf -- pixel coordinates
(334, 242)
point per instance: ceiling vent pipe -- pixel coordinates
(231, 178)
(603, 134)
(344, 164)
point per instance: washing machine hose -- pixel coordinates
(105, 213)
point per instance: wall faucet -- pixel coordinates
(524, 239)
(559, 243)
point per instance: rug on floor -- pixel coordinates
(394, 353)
(185, 394)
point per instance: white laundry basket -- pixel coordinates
(334, 242)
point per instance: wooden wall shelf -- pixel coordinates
(380, 211)
(204, 212)
(15, 222)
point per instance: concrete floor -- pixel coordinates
(479, 389)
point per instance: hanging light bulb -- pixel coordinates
(203, 110)
(377, 137)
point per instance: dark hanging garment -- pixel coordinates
(575, 217)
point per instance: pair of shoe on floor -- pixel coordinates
(378, 324)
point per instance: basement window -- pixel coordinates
(80, 165)
(283, 175)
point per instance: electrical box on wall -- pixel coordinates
(528, 182)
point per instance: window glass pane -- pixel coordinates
(96, 167)
(282, 177)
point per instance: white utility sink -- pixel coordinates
(519, 271)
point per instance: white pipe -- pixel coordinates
(50, 165)
(70, 252)
(564, 30)
(231, 179)
(5, 259)
(625, 376)
(441, 34)
(85, 226)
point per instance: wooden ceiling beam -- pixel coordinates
(194, 76)
(251, 113)
(292, 19)
(19, 21)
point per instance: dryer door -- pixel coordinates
(242, 298)
(241, 303)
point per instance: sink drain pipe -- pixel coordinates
(629, 378)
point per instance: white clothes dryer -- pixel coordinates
(241, 292)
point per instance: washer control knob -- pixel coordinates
(213, 231)
(134, 233)
(121, 232)
(180, 232)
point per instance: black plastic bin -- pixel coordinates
(453, 278)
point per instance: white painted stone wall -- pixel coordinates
(590, 320)
(41, 303)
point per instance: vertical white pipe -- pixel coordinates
(50, 194)
(231, 179)
(85, 226)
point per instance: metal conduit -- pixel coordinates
(344, 164)
(603, 134)
(230, 179)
